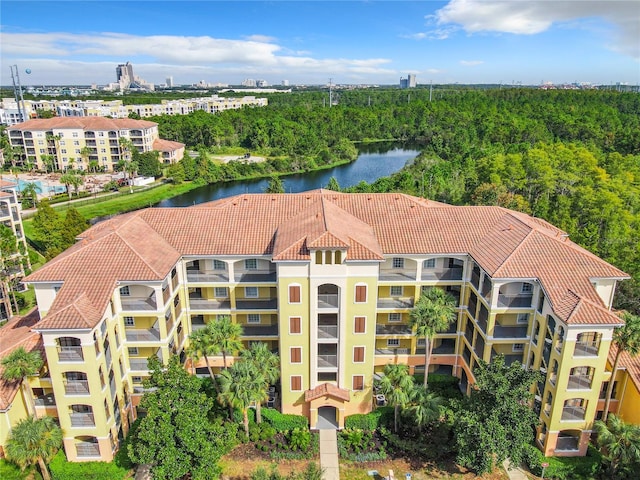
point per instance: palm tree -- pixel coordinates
(619, 442)
(433, 312)
(241, 386)
(19, 365)
(225, 337)
(627, 339)
(397, 385)
(30, 190)
(93, 166)
(68, 179)
(85, 152)
(34, 440)
(47, 161)
(425, 406)
(201, 345)
(265, 361)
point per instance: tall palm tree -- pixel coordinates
(397, 385)
(241, 386)
(19, 365)
(30, 190)
(620, 444)
(201, 345)
(434, 311)
(34, 440)
(69, 180)
(627, 339)
(47, 161)
(85, 152)
(267, 362)
(225, 337)
(425, 406)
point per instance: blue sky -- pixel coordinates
(373, 42)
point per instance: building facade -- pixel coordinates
(62, 143)
(328, 280)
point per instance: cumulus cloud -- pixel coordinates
(471, 63)
(528, 17)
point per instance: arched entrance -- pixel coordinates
(327, 418)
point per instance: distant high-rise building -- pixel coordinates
(169, 82)
(285, 83)
(128, 81)
(409, 82)
(249, 82)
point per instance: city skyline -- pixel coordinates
(459, 41)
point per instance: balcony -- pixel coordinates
(509, 332)
(207, 277)
(447, 347)
(138, 303)
(4, 212)
(327, 361)
(76, 387)
(70, 354)
(328, 300)
(255, 276)
(260, 330)
(586, 349)
(257, 304)
(151, 335)
(197, 324)
(87, 449)
(392, 351)
(385, 329)
(138, 364)
(197, 303)
(514, 301)
(327, 331)
(82, 420)
(395, 303)
(47, 400)
(567, 443)
(397, 275)
(579, 382)
(573, 414)
(453, 273)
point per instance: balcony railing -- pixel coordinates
(70, 354)
(77, 387)
(509, 332)
(197, 325)
(586, 349)
(246, 304)
(138, 364)
(198, 276)
(327, 331)
(392, 351)
(384, 329)
(579, 382)
(453, 273)
(514, 301)
(397, 275)
(151, 335)
(45, 400)
(395, 303)
(567, 443)
(444, 349)
(328, 300)
(573, 413)
(327, 361)
(82, 420)
(204, 304)
(138, 303)
(254, 276)
(87, 449)
(260, 330)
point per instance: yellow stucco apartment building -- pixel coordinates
(328, 280)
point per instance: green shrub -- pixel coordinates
(283, 422)
(355, 440)
(369, 421)
(61, 469)
(564, 468)
(237, 416)
(299, 439)
(260, 432)
(10, 471)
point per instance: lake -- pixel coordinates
(374, 161)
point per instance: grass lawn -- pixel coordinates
(9, 471)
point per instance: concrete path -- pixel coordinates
(515, 473)
(329, 455)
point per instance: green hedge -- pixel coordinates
(370, 421)
(61, 469)
(10, 471)
(565, 468)
(283, 422)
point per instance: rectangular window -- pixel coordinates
(395, 291)
(251, 264)
(358, 383)
(294, 293)
(527, 288)
(74, 134)
(358, 354)
(133, 351)
(253, 318)
(296, 383)
(398, 263)
(295, 354)
(295, 325)
(124, 291)
(251, 292)
(518, 347)
(136, 379)
(429, 263)
(129, 322)
(523, 318)
(359, 325)
(422, 342)
(361, 293)
(393, 342)
(219, 265)
(395, 317)
(220, 292)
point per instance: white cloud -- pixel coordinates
(471, 63)
(260, 38)
(434, 71)
(528, 17)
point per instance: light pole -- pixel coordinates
(544, 467)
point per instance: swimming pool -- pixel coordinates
(44, 187)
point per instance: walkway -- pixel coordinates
(329, 455)
(514, 473)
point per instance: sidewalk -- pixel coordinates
(515, 473)
(329, 455)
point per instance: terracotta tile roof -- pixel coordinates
(7, 183)
(17, 333)
(166, 145)
(327, 389)
(628, 363)
(85, 123)
(145, 245)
